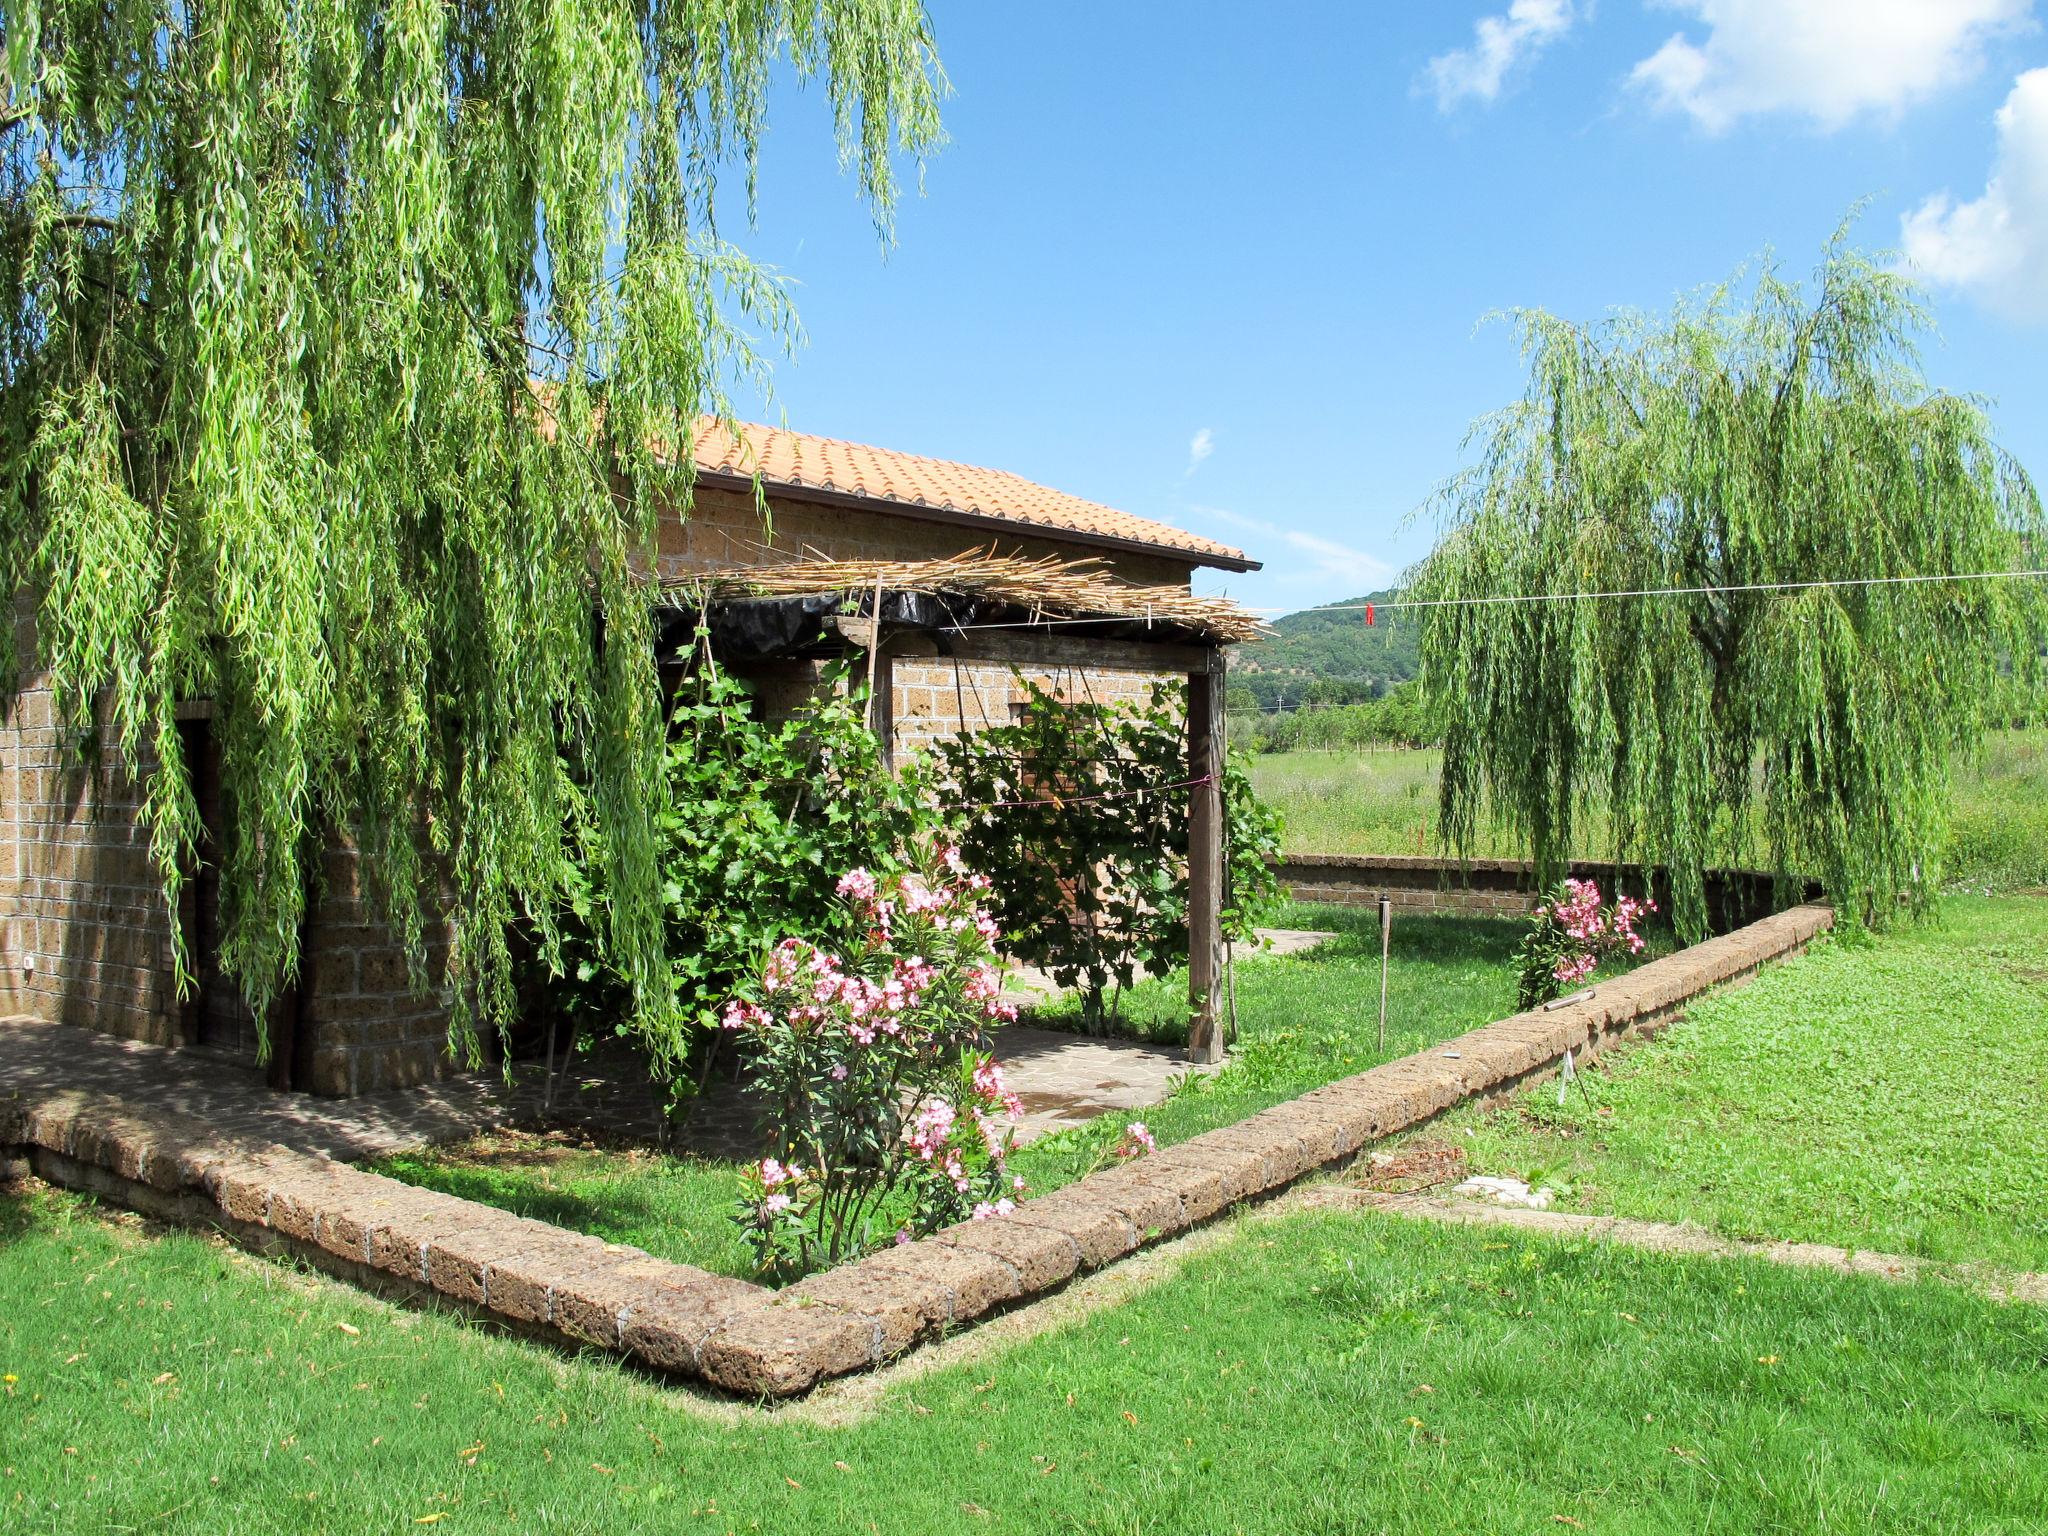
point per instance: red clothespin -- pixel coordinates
(1368, 615)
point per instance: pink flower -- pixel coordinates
(777, 1204)
(918, 897)
(741, 1014)
(857, 884)
(983, 1210)
(930, 1129)
(1138, 1133)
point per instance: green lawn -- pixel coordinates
(1888, 1094)
(1305, 1020)
(1385, 802)
(1329, 1373)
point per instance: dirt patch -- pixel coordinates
(1422, 1164)
(573, 1148)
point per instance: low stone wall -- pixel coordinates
(760, 1343)
(1504, 887)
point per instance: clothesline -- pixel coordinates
(1495, 599)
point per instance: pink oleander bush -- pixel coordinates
(889, 1118)
(1570, 935)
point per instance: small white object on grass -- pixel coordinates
(1504, 1191)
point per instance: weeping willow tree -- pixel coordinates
(347, 350)
(1767, 433)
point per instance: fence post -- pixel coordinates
(1205, 857)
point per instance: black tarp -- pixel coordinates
(747, 629)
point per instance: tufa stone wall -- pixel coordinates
(724, 529)
(86, 937)
(86, 934)
(1505, 887)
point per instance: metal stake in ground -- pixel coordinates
(1386, 943)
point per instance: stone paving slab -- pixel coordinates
(1681, 1237)
(263, 1168)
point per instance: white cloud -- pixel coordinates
(1830, 60)
(1200, 446)
(1498, 44)
(1995, 246)
(1328, 559)
(1332, 559)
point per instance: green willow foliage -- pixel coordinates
(276, 285)
(1753, 436)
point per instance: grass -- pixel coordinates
(1355, 802)
(1385, 802)
(1314, 1374)
(679, 1207)
(1886, 1094)
(1305, 1020)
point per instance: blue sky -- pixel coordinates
(1224, 265)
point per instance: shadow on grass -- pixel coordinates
(677, 1206)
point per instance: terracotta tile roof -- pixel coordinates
(803, 462)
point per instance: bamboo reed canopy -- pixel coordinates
(976, 590)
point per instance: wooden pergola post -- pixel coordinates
(1205, 858)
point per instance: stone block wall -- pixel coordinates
(84, 928)
(937, 697)
(724, 529)
(1504, 887)
(86, 937)
(366, 1025)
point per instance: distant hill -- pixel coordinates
(1328, 656)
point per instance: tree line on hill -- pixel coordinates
(1330, 656)
(1395, 718)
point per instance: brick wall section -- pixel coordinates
(755, 1343)
(1501, 887)
(724, 530)
(935, 697)
(369, 1028)
(83, 924)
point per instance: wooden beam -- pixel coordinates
(1205, 859)
(882, 700)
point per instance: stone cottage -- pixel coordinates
(86, 938)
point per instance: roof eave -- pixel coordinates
(979, 521)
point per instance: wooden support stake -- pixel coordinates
(1205, 859)
(1386, 944)
(880, 712)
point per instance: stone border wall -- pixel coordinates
(1503, 887)
(759, 1343)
